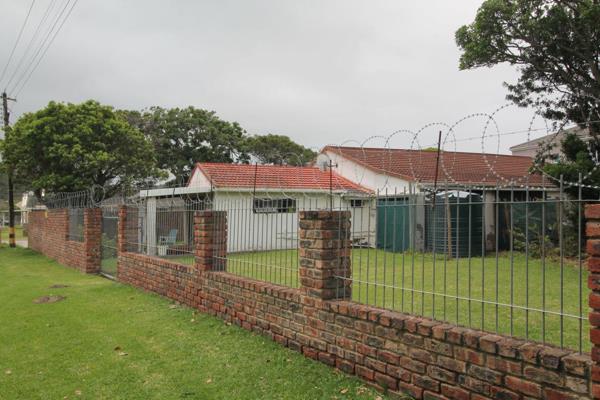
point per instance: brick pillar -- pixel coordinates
(592, 229)
(121, 229)
(325, 270)
(92, 239)
(210, 240)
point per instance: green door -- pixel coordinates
(393, 224)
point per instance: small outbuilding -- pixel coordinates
(262, 204)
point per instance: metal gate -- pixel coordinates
(110, 219)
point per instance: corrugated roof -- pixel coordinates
(454, 167)
(223, 175)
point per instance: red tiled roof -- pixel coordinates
(454, 167)
(274, 177)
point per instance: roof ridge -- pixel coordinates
(256, 164)
(421, 151)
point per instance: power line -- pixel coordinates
(45, 49)
(40, 47)
(32, 40)
(12, 52)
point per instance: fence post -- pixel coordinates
(325, 267)
(592, 231)
(210, 240)
(92, 239)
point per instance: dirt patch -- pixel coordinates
(58, 286)
(48, 299)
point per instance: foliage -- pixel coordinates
(548, 242)
(184, 136)
(279, 150)
(554, 44)
(576, 159)
(533, 243)
(70, 147)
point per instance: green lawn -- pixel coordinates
(111, 341)
(407, 282)
(18, 233)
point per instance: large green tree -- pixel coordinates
(70, 147)
(555, 44)
(184, 136)
(278, 149)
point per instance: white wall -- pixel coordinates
(363, 176)
(199, 180)
(249, 231)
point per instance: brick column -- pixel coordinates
(92, 239)
(121, 236)
(592, 230)
(325, 270)
(210, 240)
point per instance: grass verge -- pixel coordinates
(110, 341)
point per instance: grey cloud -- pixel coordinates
(319, 71)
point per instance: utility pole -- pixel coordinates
(9, 172)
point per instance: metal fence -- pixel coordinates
(509, 263)
(110, 222)
(506, 259)
(163, 227)
(502, 259)
(262, 240)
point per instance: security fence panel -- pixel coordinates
(110, 222)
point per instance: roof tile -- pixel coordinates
(454, 167)
(274, 176)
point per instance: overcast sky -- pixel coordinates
(322, 72)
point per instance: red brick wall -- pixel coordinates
(48, 234)
(390, 350)
(169, 279)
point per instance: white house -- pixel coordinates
(262, 203)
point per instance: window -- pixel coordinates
(266, 206)
(357, 203)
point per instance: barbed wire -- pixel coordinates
(332, 159)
